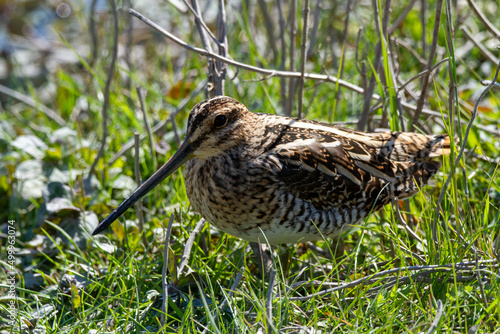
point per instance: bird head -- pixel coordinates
(214, 127)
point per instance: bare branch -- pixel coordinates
(314, 31)
(148, 127)
(93, 34)
(237, 280)
(200, 24)
(480, 283)
(138, 181)
(303, 58)
(283, 57)
(430, 61)
(462, 148)
(483, 18)
(128, 44)
(269, 73)
(198, 18)
(269, 301)
(427, 269)
(342, 56)
(480, 46)
(111, 70)
(437, 318)
(401, 18)
(405, 225)
(365, 113)
(189, 244)
(128, 145)
(268, 23)
(408, 47)
(422, 73)
(487, 82)
(33, 103)
(423, 23)
(164, 282)
(263, 257)
(223, 49)
(291, 81)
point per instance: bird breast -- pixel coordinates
(232, 193)
(245, 198)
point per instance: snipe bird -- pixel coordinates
(275, 179)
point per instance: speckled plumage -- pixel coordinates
(288, 179)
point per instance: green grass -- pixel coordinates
(113, 283)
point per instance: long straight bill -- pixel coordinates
(184, 154)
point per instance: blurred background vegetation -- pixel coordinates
(55, 60)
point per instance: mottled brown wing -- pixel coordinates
(344, 167)
(325, 169)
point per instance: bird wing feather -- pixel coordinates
(331, 166)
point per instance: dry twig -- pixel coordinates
(269, 302)
(283, 57)
(138, 181)
(483, 18)
(426, 270)
(200, 20)
(164, 282)
(480, 46)
(111, 70)
(32, 103)
(268, 23)
(189, 244)
(314, 31)
(291, 81)
(461, 152)
(303, 58)
(401, 18)
(430, 62)
(148, 128)
(269, 73)
(437, 318)
(423, 73)
(128, 145)
(364, 117)
(93, 34)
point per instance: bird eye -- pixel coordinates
(220, 121)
